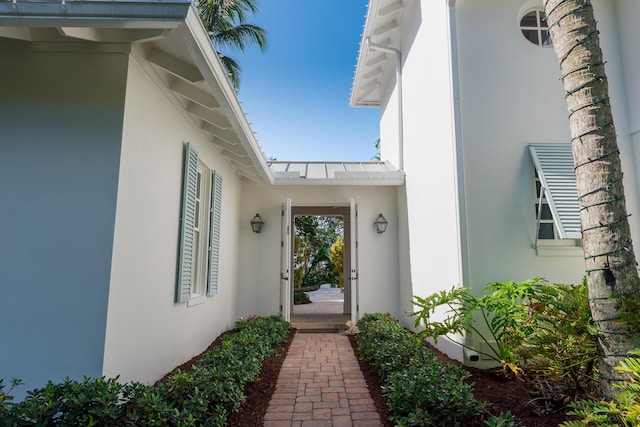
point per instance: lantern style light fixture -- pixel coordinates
(381, 224)
(257, 223)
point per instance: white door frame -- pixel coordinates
(351, 253)
(285, 263)
(355, 290)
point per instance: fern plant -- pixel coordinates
(624, 412)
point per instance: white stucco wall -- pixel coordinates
(510, 96)
(628, 36)
(259, 275)
(147, 333)
(430, 238)
(625, 81)
(60, 120)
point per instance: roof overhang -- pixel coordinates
(381, 28)
(336, 173)
(172, 38)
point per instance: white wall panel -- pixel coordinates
(144, 323)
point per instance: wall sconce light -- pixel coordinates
(257, 223)
(381, 224)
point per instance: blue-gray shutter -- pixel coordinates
(187, 224)
(554, 163)
(214, 233)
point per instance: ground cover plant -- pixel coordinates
(420, 390)
(624, 412)
(204, 395)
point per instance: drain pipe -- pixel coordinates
(398, 56)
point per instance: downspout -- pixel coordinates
(463, 262)
(398, 56)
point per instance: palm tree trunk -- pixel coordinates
(611, 269)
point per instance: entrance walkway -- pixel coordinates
(323, 300)
(320, 384)
(325, 313)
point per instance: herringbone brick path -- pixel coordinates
(320, 384)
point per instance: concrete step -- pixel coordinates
(318, 326)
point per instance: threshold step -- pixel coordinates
(317, 326)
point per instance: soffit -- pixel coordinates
(171, 38)
(381, 27)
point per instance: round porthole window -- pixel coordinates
(535, 29)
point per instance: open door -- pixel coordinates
(285, 267)
(355, 294)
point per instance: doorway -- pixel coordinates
(333, 305)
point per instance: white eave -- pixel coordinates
(171, 37)
(336, 173)
(381, 28)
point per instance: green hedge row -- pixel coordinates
(420, 390)
(204, 395)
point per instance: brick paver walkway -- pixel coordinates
(320, 384)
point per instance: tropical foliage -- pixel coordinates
(317, 256)
(226, 23)
(337, 258)
(534, 327)
(625, 411)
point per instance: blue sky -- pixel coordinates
(296, 92)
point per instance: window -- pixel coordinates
(535, 29)
(546, 228)
(199, 230)
(556, 197)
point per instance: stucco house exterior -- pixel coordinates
(472, 106)
(129, 175)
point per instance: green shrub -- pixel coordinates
(72, 403)
(420, 390)
(373, 317)
(505, 419)
(147, 407)
(427, 392)
(272, 328)
(202, 395)
(6, 417)
(205, 395)
(385, 343)
(561, 338)
(301, 297)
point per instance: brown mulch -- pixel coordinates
(252, 411)
(501, 393)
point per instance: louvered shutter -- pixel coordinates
(554, 163)
(214, 233)
(187, 223)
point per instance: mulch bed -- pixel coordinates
(502, 394)
(252, 411)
